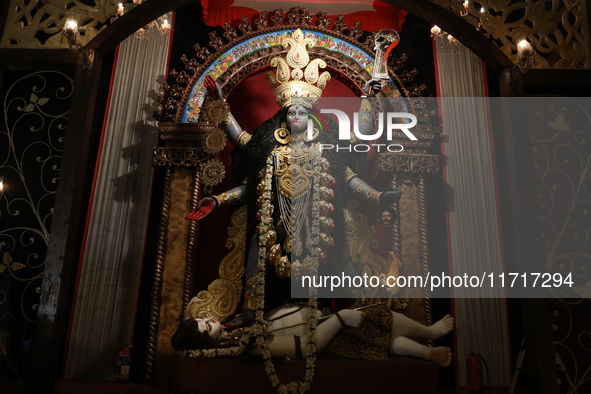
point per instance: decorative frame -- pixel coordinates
(558, 30)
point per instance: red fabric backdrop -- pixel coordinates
(373, 16)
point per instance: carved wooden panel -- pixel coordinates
(557, 29)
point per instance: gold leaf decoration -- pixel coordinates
(220, 300)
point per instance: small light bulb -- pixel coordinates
(71, 24)
(524, 48)
(435, 30)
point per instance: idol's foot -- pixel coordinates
(441, 355)
(241, 320)
(442, 327)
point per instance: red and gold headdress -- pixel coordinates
(297, 80)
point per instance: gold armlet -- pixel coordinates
(349, 175)
(368, 193)
(243, 139)
(227, 198)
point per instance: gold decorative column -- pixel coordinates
(409, 233)
(188, 159)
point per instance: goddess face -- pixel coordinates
(211, 326)
(297, 118)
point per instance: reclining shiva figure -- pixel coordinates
(373, 333)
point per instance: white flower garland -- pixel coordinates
(258, 329)
(265, 217)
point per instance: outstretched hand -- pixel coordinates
(204, 208)
(213, 88)
(351, 317)
(373, 86)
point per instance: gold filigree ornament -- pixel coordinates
(220, 300)
(213, 172)
(283, 268)
(297, 80)
(215, 141)
(294, 170)
(217, 111)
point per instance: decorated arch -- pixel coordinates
(350, 61)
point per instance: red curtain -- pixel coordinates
(373, 17)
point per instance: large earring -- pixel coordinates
(282, 135)
(315, 133)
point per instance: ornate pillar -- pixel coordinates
(410, 171)
(187, 157)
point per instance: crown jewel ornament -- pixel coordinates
(297, 80)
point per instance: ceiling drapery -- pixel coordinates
(373, 16)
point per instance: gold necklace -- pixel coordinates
(304, 136)
(294, 172)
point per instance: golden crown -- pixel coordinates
(292, 85)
